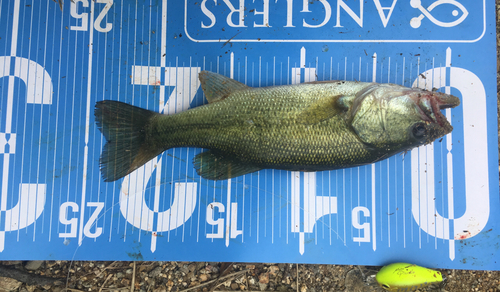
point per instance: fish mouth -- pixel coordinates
(430, 105)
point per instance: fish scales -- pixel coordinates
(309, 127)
(261, 126)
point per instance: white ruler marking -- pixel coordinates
(374, 221)
(87, 123)
(449, 160)
(8, 123)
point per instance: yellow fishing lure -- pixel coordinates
(406, 277)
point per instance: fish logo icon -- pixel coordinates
(416, 21)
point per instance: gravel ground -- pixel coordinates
(205, 277)
(190, 276)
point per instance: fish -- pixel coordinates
(313, 126)
(407, 277)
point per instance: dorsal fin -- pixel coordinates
(217, 87)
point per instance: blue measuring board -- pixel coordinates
(436, 206)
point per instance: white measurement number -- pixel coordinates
(83, 17)
(72, 222)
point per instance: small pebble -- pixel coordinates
(203, 278)
(33, 265)
(155, 272)
(264, 278)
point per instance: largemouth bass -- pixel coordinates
(305, 127)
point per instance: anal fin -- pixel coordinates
(215, 165)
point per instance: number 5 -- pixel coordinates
(365, 226)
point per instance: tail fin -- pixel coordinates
(124, 127)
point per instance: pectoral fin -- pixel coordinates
(215, 165)
(217, 87)
(322, 110)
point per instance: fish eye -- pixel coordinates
(419, 131)
(386, 286)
